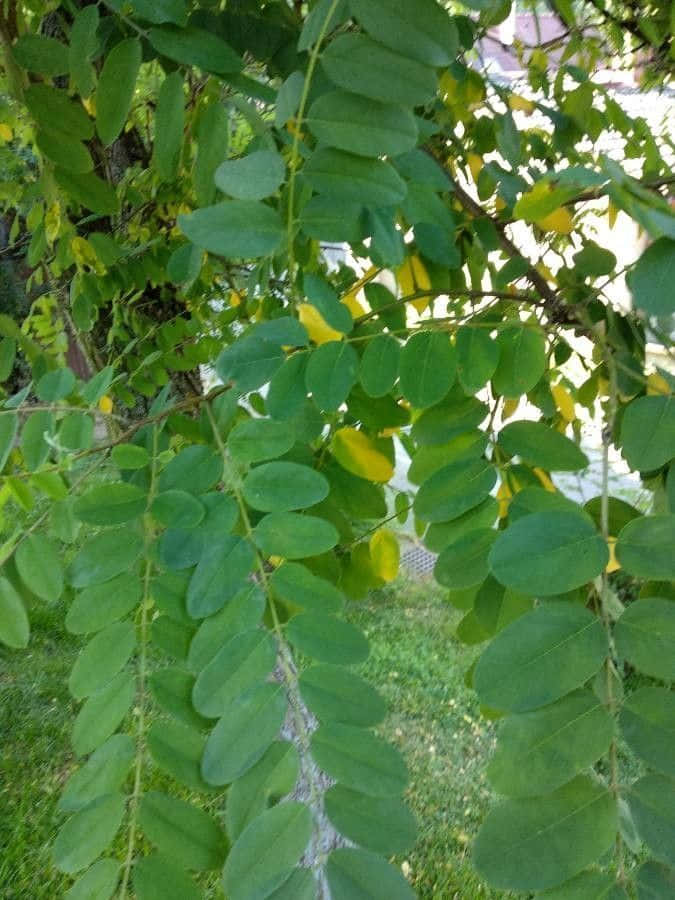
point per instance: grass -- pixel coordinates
(415, 661)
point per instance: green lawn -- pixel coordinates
(415, 661)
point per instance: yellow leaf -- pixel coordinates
(105, 404)
(353, 304)
(6, 133)
(560, 221)
(90, 105)
(84, 254)
(612, 213)
(516, 102)
(545, 480)
(657, 384)
(53, 221)
(412, 277)
(504, 495)
(564, 402)
(318, 329)
(613, 563)
(448, 87)
(500, 204)
(509, 408)
(385, 554)
(235, 298)
(475, 165)
(358, 454)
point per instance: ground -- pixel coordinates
(415, 661)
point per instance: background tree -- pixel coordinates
(179, 173)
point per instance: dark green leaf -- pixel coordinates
(346, 176)
(103, 773)
(160, 11)
(260, 439)
(644, 635)
(89, 190)
(477, 357)
(469, 445)
(14, 626)
(655, 881)
(284, 486)
(99, 881)
(213, 131)
(242, 613)
(250, 363)
(246, 730)
(379, 365)
(251, 177)
(334, 694)
(169, 123)
(297, 586)
(183, 832)
(424, 32)
(562, 549)
(41, 54)
(194, 46)
(651, 281)
(102, 713)
(178, 750)
(428, 368)
(533, 844)
(539, 751)
(447, 420)
(647, 722)
(540, 657)
(267, 851)
(359, 760)
(111, 503)
(645, 547)
(362, 126)
(177, 509)
(52, 108)
(101, 659)
(172, 689)
(648, 432)
(294, 536)
(334, 219)
(464, 563)
(441, 534)
(652, 803)
(522, 361)
(234, 228)
(327, 638)
(540, 445)
(332, 372)
(358, 873)
(103, 557)
(116, 86)
(87, 834)
(9, 426)
(39, 566)
(382, 824)
(219, 576)
(156, 877)
(454, 490)
(195, 469)
(84, 43)
(539, 500)
(34, 447)
(589, 885)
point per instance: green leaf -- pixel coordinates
(252, 177)
(178, 750)
(284, 486)
(99, 881)
(647, 722)
(645, 547)
(283, 330)
(111, 503)
(297, 586)
(246, 730)
(104, 773)
(464, 563)
(540, 445)
(448, 420)
(648, 432)
(39, 566)
(335, 694)
(332, 372)
(358, 64)
(424, 32)
(43, 55)
(83, 46)
(477, 357)
(104, 556)
(539, 751)
(234, 228)
(534, 844)
(563, 551)
(652, 278)
(620, 513)
(160, 11)
(257, 440)
(213, 133)
(220, 574)
(172, 689)
(439, 535)
(359, 760)
(157, 877)
(522, 361)
(101, 604)
(169, 124)
(195, 469)
(540, 657)
(244, 661)
(250, 363)
(14, 626)
(346, 176)
(101, 659)
(267, 851)
(294, 536)
(89, 190)
(102, 713)
(194, 46)
(87, 834)
(327, 638)
(495, 607)
(53, 109)
(116, 86)
(7, 357)
(242, 613)
(322, 295)
(77, 431)
(454, 489)
(655, 881)
(362, 126)
(539, 500)
(177, 509)
(9, 426)
(358, 873)
(382, 824)
(181, 831)
(428, 368)
(34, 447)
(652, 804)
(590, 885)
(64, 151)
(271, 778)
(379, 365)
(185, 264)
(644, 635)
(334, 219)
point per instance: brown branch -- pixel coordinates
(469, 294)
